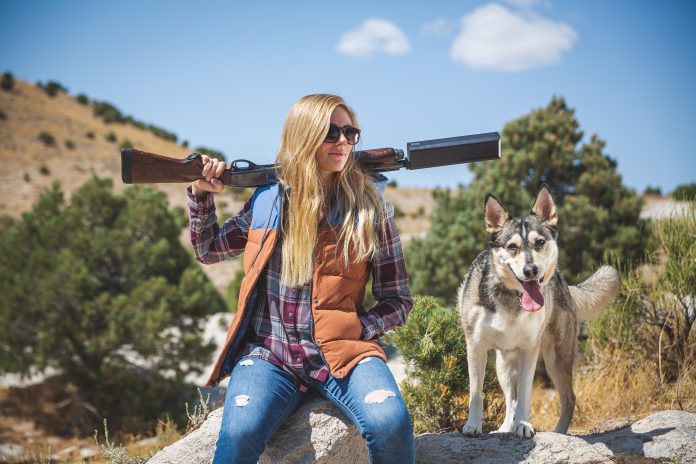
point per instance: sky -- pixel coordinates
(224, 74)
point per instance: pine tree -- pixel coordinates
(597, 213)
(101, 289)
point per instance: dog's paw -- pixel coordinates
(471, 430)
(523, 429)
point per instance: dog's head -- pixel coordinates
(524, 249)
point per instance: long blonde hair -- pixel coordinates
(358, 200)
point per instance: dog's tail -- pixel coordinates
(595, 294)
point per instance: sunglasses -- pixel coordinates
(351, 133)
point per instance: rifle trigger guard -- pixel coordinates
(246, 166)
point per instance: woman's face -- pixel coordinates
(332, 157)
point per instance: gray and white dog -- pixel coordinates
(514, 300)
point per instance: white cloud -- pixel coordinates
(492, 37)
(372, 36)
(439, 27)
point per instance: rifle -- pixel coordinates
(140, 167)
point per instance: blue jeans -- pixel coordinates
(261, 396)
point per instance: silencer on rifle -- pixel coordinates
(453, 150)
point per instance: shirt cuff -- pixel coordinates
(199, 203)
(370, 326)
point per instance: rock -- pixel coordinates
(9, 451)
(663, 436)
(318, 432)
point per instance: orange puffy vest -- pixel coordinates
(337, 293)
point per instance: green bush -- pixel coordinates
(185, 143)
(90, 135)
(47, 139)
(162, 133)
(106, 112)
(43, 169)
(655, 315)
(138, 124)
(110, 137)
(3, 116)
(650, 190)
(82, 99)
(112, 301)
(7, 81)
(52, 88)
(685, 192)
(69, 144)
(434, 350)
(126, 144)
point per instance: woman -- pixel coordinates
(309, 243)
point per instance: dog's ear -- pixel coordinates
(496, 215)
(544, 208)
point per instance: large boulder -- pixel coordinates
(318, 432)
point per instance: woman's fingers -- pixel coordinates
(220, 168)
(212, 169)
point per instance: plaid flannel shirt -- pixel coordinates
(281, 321)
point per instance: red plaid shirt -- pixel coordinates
(281, 321)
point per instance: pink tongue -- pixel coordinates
(532, 299)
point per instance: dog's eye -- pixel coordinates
(512, 247)
(540, 243)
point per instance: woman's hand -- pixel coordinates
(212, 170)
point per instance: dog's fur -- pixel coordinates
(518, 271)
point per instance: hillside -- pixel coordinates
(29, 165)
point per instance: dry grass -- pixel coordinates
(615, 390)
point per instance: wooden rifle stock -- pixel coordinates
(141, 167)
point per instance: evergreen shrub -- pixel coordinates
(162, 133)
(7, 81)
(434, 350)
(107, 112)
(47, 138)
(52, 88)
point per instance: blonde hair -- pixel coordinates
(359, 203)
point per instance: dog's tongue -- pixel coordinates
(532, 299)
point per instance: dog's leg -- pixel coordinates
(476, 354)
(559, 366)
(506, 368)
(522, 426)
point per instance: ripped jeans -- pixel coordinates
(261, 396)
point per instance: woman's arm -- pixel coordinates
(212, 243)
(389, 285)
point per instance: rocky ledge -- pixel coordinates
(317, 432)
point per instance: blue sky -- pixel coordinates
(224, 74)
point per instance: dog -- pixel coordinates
(514, 299)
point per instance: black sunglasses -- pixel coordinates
(351, 133)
